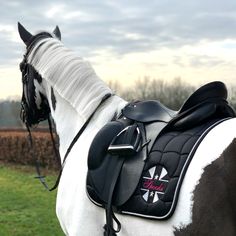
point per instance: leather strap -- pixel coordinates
(108, 227)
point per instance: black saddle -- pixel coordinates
(126, 153)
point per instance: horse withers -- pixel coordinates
(58, 82)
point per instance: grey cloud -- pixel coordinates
(9, 50)
(206, 61)
(200, 61)
(105, 24)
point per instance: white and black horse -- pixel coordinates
(59, 82)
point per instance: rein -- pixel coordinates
(39, 176)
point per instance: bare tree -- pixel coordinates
(114, 85)
(171, 94)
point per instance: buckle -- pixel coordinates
(127, 142)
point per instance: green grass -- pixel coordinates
(26, 208)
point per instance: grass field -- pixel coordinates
(26, 208)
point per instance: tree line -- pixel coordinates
(170, 94)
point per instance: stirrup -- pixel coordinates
(127, 142)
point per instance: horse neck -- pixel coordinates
(69, 121)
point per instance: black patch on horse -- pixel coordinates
(214, 201)
(53, 99)
(38, 77)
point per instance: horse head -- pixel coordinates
(35, 107)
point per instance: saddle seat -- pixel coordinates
(114, 173)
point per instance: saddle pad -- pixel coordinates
(157, 192)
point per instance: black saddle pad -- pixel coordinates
(156, 192)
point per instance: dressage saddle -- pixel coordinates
(136, 164)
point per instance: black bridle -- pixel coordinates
(31, 114)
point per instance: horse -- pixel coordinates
(60, 83)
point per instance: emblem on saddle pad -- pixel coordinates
(154, 183)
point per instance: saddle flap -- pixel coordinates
(129, 178)
(102, 177)
(129, 169)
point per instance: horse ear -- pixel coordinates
(57, 32)
(25, 35)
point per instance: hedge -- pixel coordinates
(15, 148)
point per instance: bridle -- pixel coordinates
(31, 114)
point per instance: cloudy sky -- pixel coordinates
(127, 40)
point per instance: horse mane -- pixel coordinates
(72, 77)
